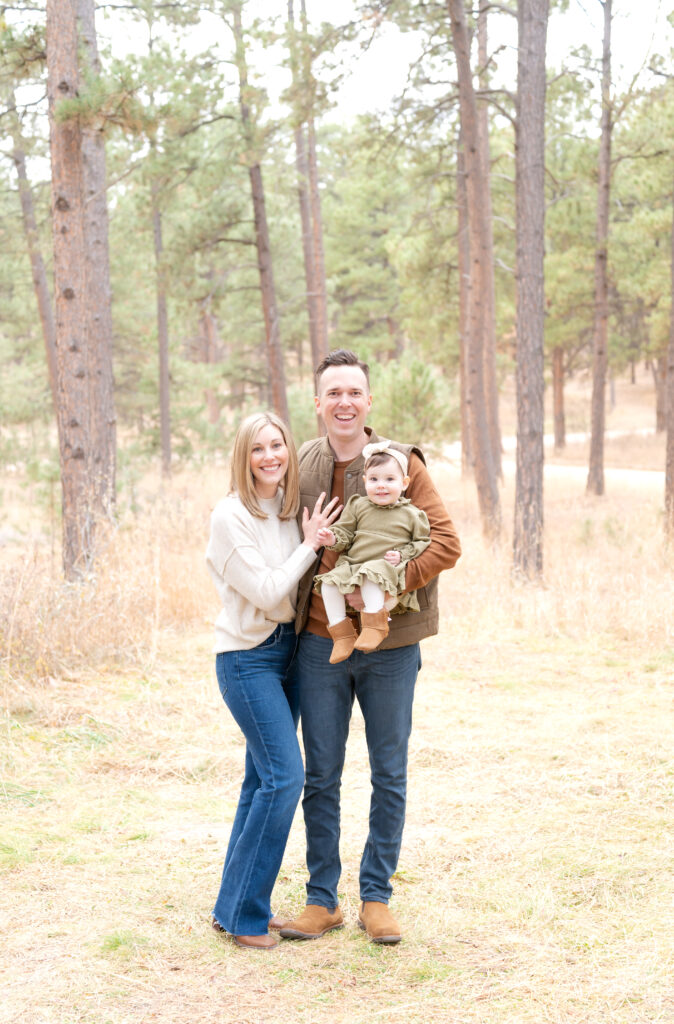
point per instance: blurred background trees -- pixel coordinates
(364, 224)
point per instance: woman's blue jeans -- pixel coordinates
(259, 689)
(383, 682)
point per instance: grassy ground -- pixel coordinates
(535, 878)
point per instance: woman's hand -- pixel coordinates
(320, 519)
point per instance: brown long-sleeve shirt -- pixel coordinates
(442, 553)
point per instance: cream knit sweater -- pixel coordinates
(256, 565)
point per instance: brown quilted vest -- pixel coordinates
(316, 461)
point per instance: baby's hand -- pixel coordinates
(326, 536)
(393, 557)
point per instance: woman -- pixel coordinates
(256, 560)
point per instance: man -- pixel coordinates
(383, 680)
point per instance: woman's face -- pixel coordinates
(268, 460)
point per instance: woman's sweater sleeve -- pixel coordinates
(235, 554)
(247, 572)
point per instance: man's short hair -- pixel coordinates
(341, 357)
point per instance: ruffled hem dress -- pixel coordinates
(364, 533)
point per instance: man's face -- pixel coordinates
(343, 402)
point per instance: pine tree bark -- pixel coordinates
(162, 336)
(558, 396)
(315, 203)
(210, 354)
(464, 298)
(659, 368)
(485, 475)
(491, 382)
(276, 372)
(38, 270)
(317, 242)
(302, 165)
(70, 298)
(669, 456)
(98, 293)
(532, 21)
(595, 477)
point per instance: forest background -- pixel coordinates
(535, 877)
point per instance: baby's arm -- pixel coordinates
(393, 557)
(327, 537)
(419, 539)
(344, 529)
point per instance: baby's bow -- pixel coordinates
(383, 447)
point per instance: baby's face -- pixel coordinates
(385, 483)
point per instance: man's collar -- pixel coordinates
(327, 447)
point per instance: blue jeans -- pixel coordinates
(383, 682)
(259, 688)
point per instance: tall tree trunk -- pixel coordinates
(595, 477)
(315, 201)
(485, 475)
(276, 373)
(532, 24)
(38, 270)
(669, 457)
(163, 368)
(303, 186)
(307, 241)
(98, 292)
(659, 368)
(302, 164)
(317, 242)
(70, 296)
(464, 300)
(210, 354)
(491, 382)
(558, 396)
(162, 335)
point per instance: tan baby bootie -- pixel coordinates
(343, 639)
(374, 628)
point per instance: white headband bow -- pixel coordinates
(383, 446)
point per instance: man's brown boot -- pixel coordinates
(343, 639)
(377, 920)
(374, 627)
(313, 922)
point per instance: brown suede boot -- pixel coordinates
(343, 639)
(313, 922)
(374, 627)
(379, 923)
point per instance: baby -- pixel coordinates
(377, 533)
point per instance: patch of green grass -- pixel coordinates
(429, 971)
(87, 736)
(122, 943)
(586, 532)
(15, 854)
(10, 791)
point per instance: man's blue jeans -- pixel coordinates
(383, 682)
(260, 690)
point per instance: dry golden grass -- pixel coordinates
(535, 878)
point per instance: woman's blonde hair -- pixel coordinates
(242, 480)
